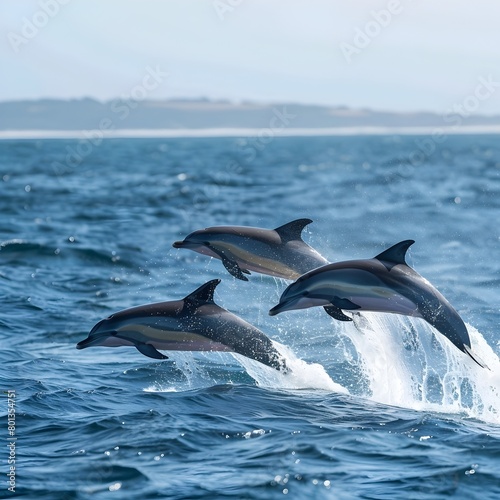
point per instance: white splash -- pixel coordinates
(301, 375)
(159, 388)
(408, 364)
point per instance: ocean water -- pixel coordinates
(383, 407)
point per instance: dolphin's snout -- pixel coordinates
(96, 338)
(83, 344)
(178, 244)
(289, 304)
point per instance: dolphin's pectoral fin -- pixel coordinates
(475, 357)
(231, 265)
(395, 255)
(292, 230)
(334, 310)
(234, 269)
(149, 351)
(344, 304)
(336, 313)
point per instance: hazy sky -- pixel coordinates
(382, 54)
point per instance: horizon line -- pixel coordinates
(245, 132)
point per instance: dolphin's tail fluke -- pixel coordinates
(475, 357)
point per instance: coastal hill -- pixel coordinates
(89, 114)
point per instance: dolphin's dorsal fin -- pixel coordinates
(202, 295)
(292, 230)
(396, 254)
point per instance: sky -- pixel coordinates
(393, 55)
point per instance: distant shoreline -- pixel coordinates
(247, 132)
(91, 120)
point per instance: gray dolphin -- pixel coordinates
(384, 284)
(279, 252)
(194, 323)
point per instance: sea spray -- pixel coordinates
(408, 364)
(200, 370)
(300, 374)
(186, 371)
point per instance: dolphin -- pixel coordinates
(382, 284)
(194, 323)
(279, 252)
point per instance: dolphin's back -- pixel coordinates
(224, 327)
(433, 307)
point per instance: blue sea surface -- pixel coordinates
(384, 408)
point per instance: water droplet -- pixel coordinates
(115, 487)
(458, 200)
(27, 188)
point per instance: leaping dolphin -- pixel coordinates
(195, 323)
(279, 252)
(383, 284)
